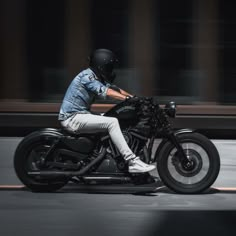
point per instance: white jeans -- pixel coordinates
(89, 123)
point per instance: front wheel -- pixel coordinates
(204, 169)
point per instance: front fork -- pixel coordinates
(184, 159)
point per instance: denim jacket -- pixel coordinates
(81, 94)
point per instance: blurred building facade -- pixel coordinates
(180, 50)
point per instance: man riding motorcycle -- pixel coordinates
(75, 115)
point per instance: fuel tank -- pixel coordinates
(125, 113)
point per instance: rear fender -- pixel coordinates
(164, 141)
(50, 131)
(47, 132)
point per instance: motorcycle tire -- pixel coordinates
(26, 157)
(201, 176)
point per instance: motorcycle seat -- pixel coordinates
(65, 131)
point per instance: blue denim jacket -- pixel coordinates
(81, 94)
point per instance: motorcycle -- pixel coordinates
(187, 162)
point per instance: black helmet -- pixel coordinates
(102, 62)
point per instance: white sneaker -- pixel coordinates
(138, 166)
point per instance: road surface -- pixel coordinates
(72, 212)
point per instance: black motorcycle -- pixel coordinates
(187, 162)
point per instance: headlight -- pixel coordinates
(170, 109)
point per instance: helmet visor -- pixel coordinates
(108, 68)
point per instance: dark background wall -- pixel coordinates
(183, 50)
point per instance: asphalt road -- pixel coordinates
(72, 212)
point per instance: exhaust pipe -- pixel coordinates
(60, 174)
(107, 179)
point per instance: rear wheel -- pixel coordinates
(195, 176)
(29, 156)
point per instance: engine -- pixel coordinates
(135, 140)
